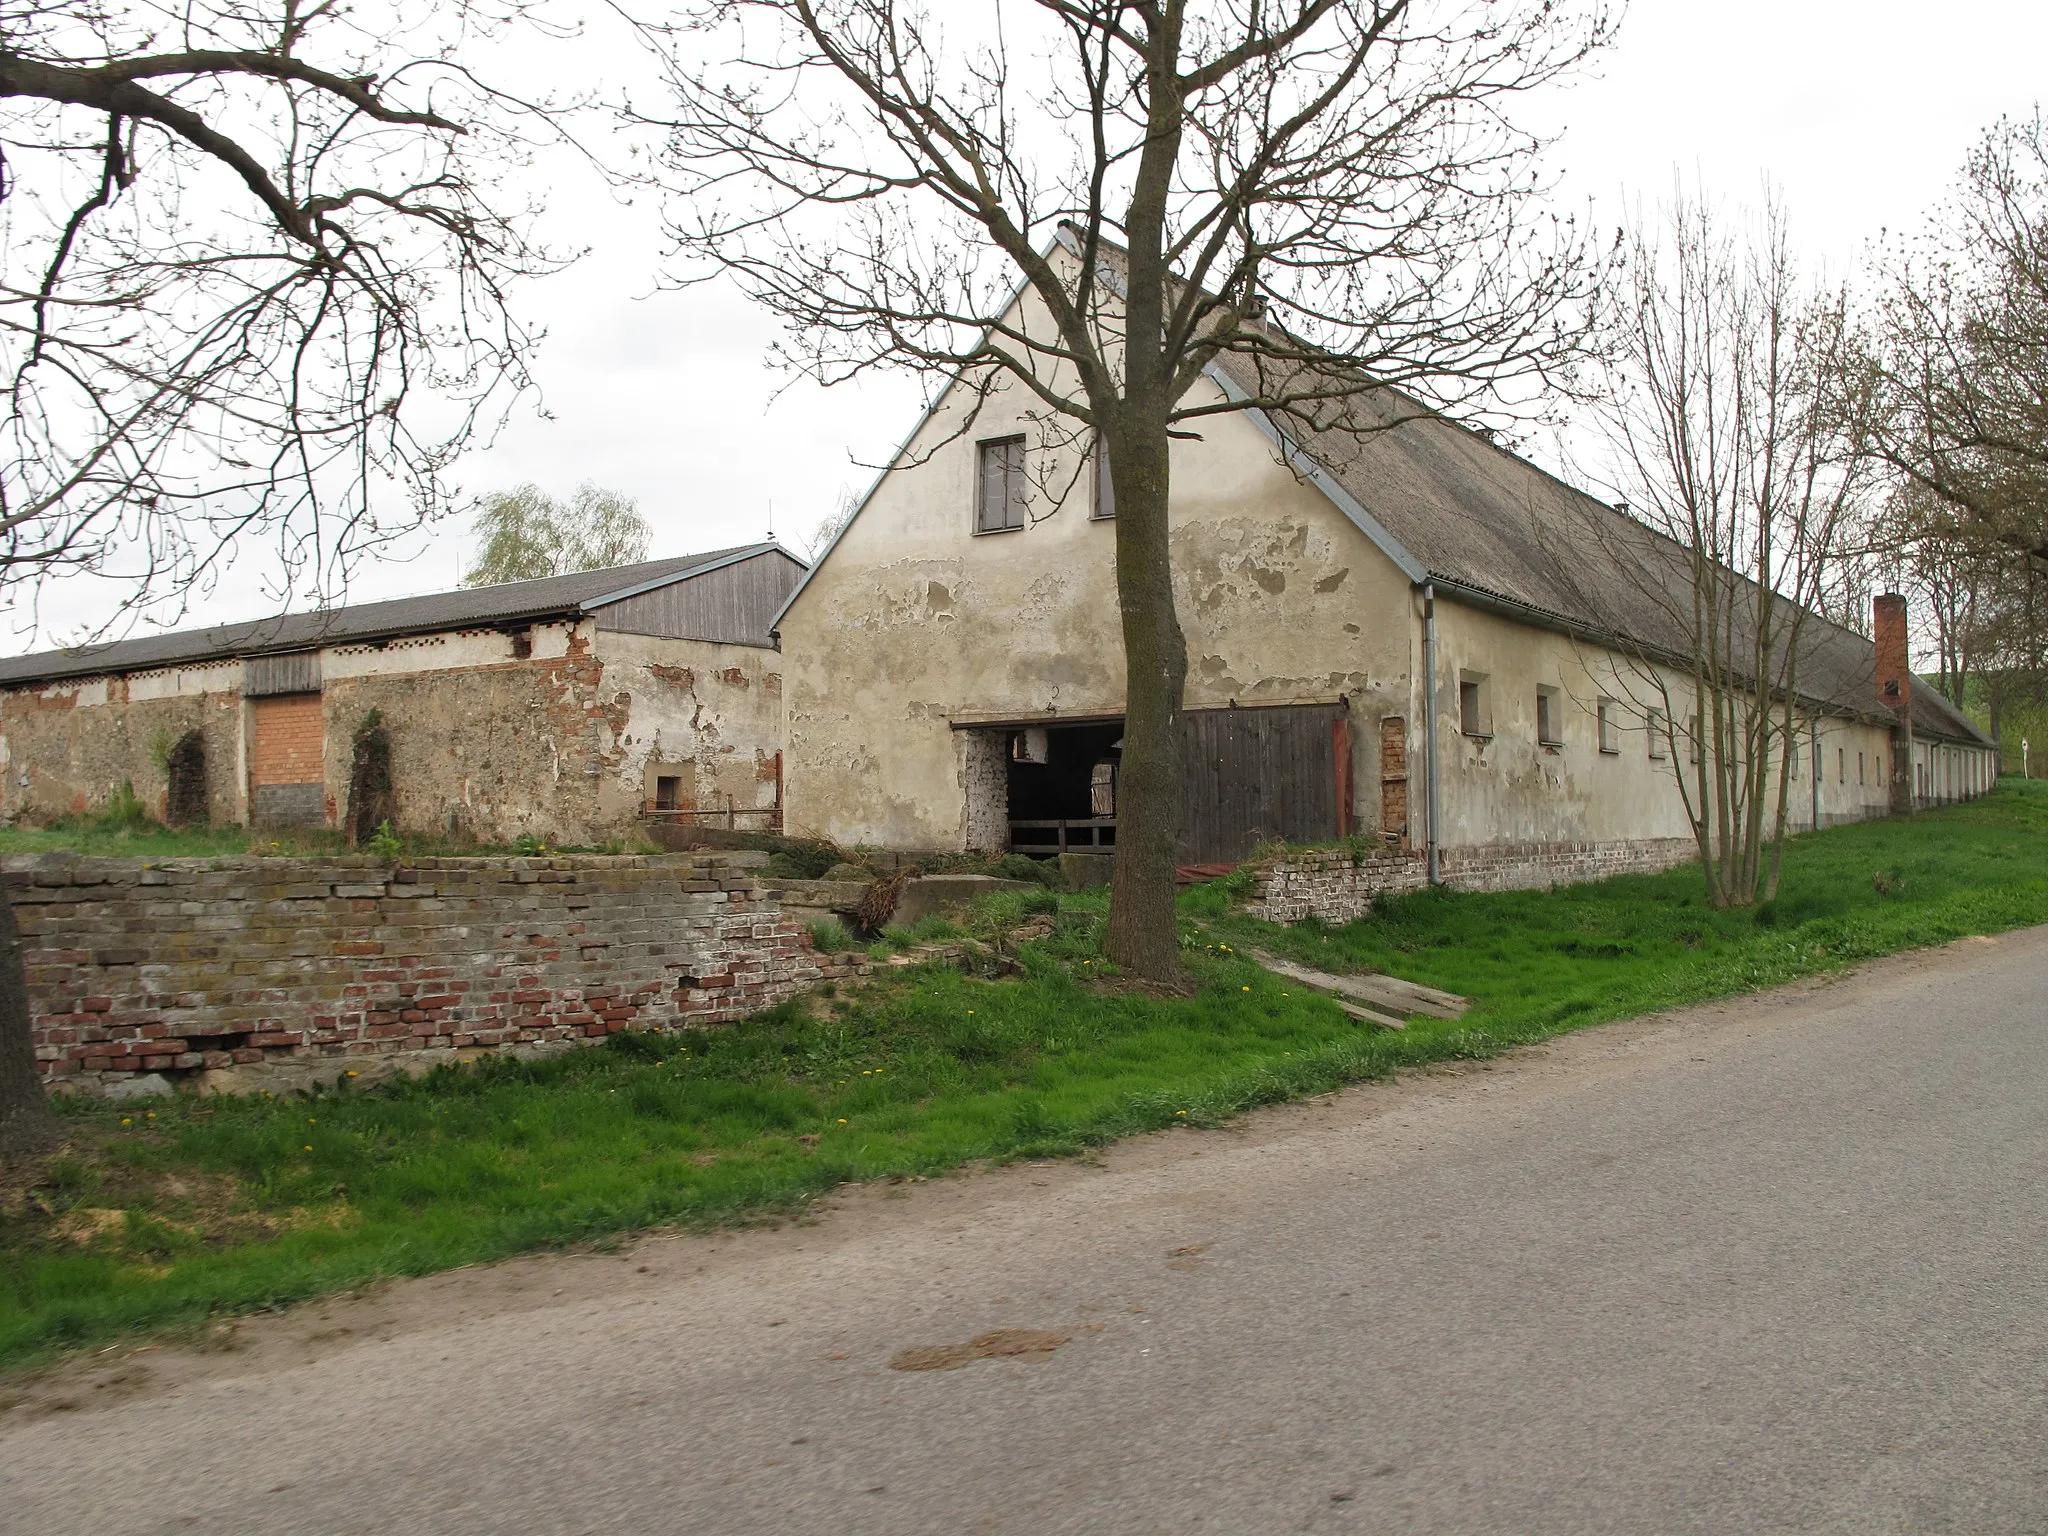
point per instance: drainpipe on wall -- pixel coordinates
(1429, 721)
(1817, 771)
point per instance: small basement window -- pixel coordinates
(1548, 731)
(1474, 716)
(1610, 728)
(1000, 497)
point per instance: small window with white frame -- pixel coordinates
(1610, 727)
(1000, 493)
(1658, 736)
(1549, 728)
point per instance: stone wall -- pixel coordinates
(251, 972)
(1334, 886)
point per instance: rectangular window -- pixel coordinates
(1105, 488)
(1859, 768)
(1472, 711)
(1657, 752)
(1610, 728)
(1792, 756)
(1692, 740)
(1548, 732)
(1000, 499)
(668, 792)
(522, 645)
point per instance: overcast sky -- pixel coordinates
(1859, 111)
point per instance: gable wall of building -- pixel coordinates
(915, 621)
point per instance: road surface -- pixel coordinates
(1777, 1265)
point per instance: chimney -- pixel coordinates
(1894, 676)
(1895, 691)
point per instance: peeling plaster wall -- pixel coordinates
(561, 744)
(915, 621)
(67, 747)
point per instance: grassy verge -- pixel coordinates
(165, 1214)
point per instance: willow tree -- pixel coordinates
(1330, 192)
(255, 286)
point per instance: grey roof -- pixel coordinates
(1491, 527)
(512, 602)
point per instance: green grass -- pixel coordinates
(231, 1205)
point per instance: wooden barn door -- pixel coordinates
(1256, 775)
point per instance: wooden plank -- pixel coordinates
(1370, 1016)
(1389, 992)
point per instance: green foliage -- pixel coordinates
(385, 843)
(241, 1204)
(527, 846)
(163, 741)
(124, 813)
(829, 936)
(527, 534)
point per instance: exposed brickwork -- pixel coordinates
(281, 971)
(289, 745)
(1335, 887)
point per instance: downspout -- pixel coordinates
(1429, 724)
(1817, 771)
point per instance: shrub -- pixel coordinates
(829, 936)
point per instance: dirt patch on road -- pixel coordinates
(1000, 1344)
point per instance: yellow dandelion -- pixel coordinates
(127, 1120)
(309, 1146)
(152, 1114)
(1244, 989)
(842, 1122)
(353, 1074)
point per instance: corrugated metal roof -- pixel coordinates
(510, 602)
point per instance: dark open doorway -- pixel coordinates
(1063, 787)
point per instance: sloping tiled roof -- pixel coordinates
(511, 602)
(1490, 526)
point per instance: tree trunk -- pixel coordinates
(1144, 935)
(26, 1124)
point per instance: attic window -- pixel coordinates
(1000, 496)
(522, 645)
(1105, 488)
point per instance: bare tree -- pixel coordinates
(1960, 342)
(257, 258)
(248, 248)
(527, 534)
(1327, 193)
(1736, 417)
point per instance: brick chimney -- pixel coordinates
(1895, 691)
(1894, 672)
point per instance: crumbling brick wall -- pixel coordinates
(275, 972)
(1335, 886)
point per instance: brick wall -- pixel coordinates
(1335, 887)
(238, 973)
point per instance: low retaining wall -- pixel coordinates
(1335, 886)
(248, 972)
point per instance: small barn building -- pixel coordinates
(559, 708)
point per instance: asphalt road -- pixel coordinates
(1775, 1266)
